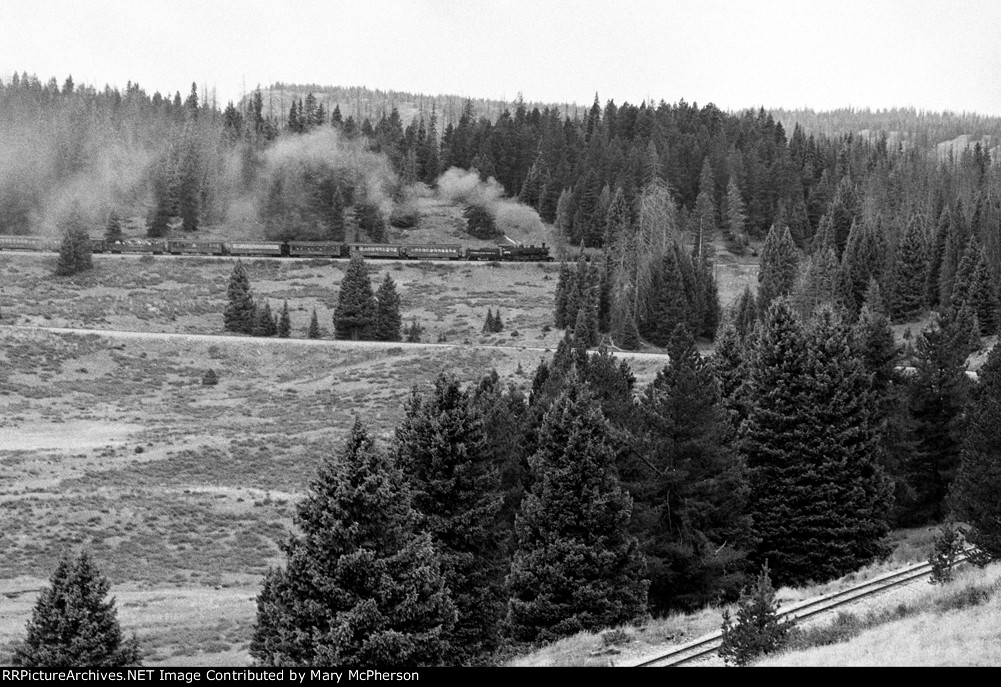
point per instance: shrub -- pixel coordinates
(210, 378)
(949, 545)
(758, 630)
(414, 332)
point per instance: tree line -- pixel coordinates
(360, 314)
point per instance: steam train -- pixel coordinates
(292, 249)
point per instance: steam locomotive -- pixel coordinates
(293, 249)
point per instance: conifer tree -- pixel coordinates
(314, 327)
(910, 274)
(983, 296)
(863, 260)
(488, 323)
(480, 222)
(820, 281)
(264, 320)
(585, 332)
(819, 499)
(441, 448)
(777, 274)
(938, 393)
(370, 220)
(936, 257)
(730, 369)
(240, 314)
(745, 316)
(706, 301)
(563, 286)
(962, 281)
(974, 494)
(75, 249)
(354, 316)
(669, 301)
(414, 332)
(758, 630)
(703, 221)
(113, 229)
(618, 223)
(955, 242)
(575, 567)
(360, 586)
(284, 322)
(498, 325)
(73, 625)
(734, 219)
(690, 489)
(387, 315)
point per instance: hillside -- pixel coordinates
(363, 103)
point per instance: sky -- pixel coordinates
(928, 54)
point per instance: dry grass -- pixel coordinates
(183, 492)
(953, 625)
(642, 640)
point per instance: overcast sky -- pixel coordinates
(929, 54)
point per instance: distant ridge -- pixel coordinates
(361, 102)
(947, 132)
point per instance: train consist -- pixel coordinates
(292, 249)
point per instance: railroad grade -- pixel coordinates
(707, 645)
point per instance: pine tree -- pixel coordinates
(72, 625)
(370, 220)
(777, 274)
(441, 448)
(819, 282)
(669, 302)
(585, 332)
(758, 631)
(963, 279)
(354, 316)
(938, 393)
(863, 260)
(975, 495)
(314, 327)
(734, 219)
(113, 229)
(498, 324)
(575, 567)
(488, 323)
(387, 314)
(689, 490)
(730, 369)
(983, 296)
(956, 239)
(360, 586)
(819, 499)
(936, 257)
(74, 250)
(910, 274)
(563, 286)
(264, 320)
(284, 322)
(240, 314)
(480, 222)
(745, 316)
(414, 332)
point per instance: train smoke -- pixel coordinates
(515, 219)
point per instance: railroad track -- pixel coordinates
(709, 644)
